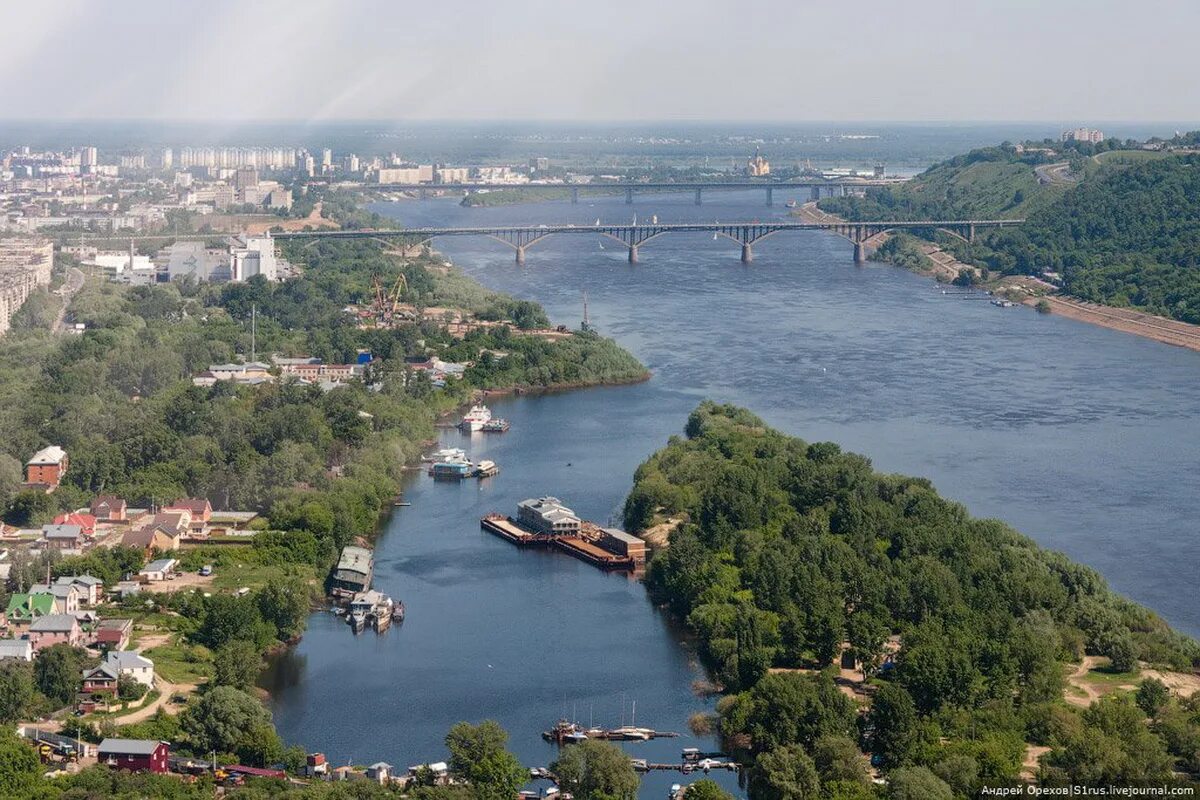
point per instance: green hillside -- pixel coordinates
(1125, 233)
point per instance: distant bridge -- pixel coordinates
(634, 235)
(817, 186)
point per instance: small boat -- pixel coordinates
(496, 425)
(791, 204)
(639, 764)
(358, 621)
(486, 469)
(447, 454)
(398, 611)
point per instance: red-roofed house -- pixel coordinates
(108, 508)
(198, 509)
(86, 522)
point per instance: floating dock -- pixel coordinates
(583, 545)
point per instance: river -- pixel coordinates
(1081, 437)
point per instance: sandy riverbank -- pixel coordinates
(945, 268)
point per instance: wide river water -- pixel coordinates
(1083, 438)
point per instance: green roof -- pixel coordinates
(29, 606)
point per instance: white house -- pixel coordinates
(127, 662)
(21, 649)
(158, 570)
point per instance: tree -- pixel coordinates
(228, 720)
(785, 773)
(917, 783)
(16, 689)
(20, 772)
(228, 617)
(236, 664)
(29, 508)
(478, 754)
(707, 789)
(893, 723)
(284, 604)
(596, 770)
(130, 689)
(1152, 695)
(58, 672)
(837, 758)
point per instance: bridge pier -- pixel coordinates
(860, 253)
(816, 193)
(841, 190)
(971, 233)
(628, 195)
(633, 254)
(770, 196)
(698, 201)
(521, 256)
(421, 194)
(747, 254)
(574, 195)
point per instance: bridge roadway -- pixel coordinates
(634, 235)
(831, 188)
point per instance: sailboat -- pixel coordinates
(602, 245)
(631, 732)
(597, 222)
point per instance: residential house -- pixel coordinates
(131, 664)
(198, 509)
(63, 537)
(25, 608)
(101, 679)
(128, 588)
(158, 570)
(66, 598)
(109, 508)
(90, 588)
(47, 467)
(135, 755)
(20, 649)
(114, 634)
(380, 772)
(55, 629)
(86, 522)
(159, 532)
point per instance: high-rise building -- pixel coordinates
(1090, 135)
(166, 159)
(88, 159)
(350, 163)
(539, 164)
(245, 177)
(326, 161)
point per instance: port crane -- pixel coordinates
(387, 302)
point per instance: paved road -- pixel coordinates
(68, 290)
(1055, 173)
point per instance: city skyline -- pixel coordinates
(534, 61)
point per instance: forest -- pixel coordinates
(795, 560)
(1126, 234)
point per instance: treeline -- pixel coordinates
(480, 768)
(793, 552)
(1128, 234)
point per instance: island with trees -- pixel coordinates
(865, 629)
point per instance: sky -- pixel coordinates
(1063, 61)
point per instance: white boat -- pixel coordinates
(447, 454)
(476, 418)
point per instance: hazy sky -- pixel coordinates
(1053, 60)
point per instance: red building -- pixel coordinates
(86, 522)
(135, 755)
(47, 467)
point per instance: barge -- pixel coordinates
(546, 522)
(353, 572)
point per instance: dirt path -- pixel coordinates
(1076, 679)
(1033, 756)
(166, 691)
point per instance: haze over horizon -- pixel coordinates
(768, 61)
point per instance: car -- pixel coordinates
(206, 570)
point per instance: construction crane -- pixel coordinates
(387, 303)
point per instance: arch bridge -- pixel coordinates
(634, 235)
